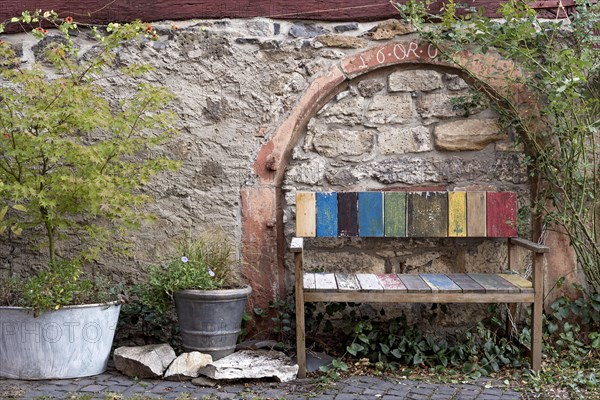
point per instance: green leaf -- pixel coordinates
(20, 207)
(354, 348)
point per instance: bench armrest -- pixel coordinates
(529, 245)
(297, 245)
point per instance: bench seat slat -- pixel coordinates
(517, 280)
(494, 283)
(391, 282)
(440, 283)
(414, 283)
(309, 281)
(466, 283)
(347, 282)
(325, 282)
(369, 282)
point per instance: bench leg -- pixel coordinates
(536, 315)
(300, 333)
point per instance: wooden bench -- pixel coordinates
(414, 215)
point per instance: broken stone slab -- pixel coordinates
(186, 366)
(252, 364)
(144, 361)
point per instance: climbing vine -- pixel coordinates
(552, 100)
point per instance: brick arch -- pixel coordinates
(263, 242)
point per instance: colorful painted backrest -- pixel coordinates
(406, 214)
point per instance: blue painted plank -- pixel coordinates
(327, 214)
(440, 283)
(370, 214)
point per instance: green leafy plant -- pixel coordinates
(70, 157)
(201, 263)
(559, 73)
(141, 324)
(73, 160)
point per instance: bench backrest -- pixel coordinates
(406, 214)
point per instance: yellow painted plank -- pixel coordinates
(306, 220)
(476, 214)
(517, 280)
(457, 214)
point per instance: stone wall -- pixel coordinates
(399, 129)
(237, 81)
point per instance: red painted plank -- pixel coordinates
(501, 214)
(102, 11)
(391, 282)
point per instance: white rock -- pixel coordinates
(252, 364)
(186, 366)
(144, 361)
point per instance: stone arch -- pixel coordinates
(262, 221)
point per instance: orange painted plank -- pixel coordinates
(306, 220)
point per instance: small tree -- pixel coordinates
(72, 159)
(559, 64)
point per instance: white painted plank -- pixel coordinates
(369, 282)
(325, 282)
(347, 282)
(309, 281)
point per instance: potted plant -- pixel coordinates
(71, 170)
(208, 289)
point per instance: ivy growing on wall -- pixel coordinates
(557, 114)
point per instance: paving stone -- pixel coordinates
(93, 388)
(417, 396)
(345, 396)
(422, 390)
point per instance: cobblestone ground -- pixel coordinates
(112, 385)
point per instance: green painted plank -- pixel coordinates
(427, 214)
(395, 214)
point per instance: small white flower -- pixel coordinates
(211, 272)
(184, 259)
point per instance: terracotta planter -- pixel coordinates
(72, 342)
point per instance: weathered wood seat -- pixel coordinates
(414, 215)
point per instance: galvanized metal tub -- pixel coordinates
(210, 320)
(72, 342)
